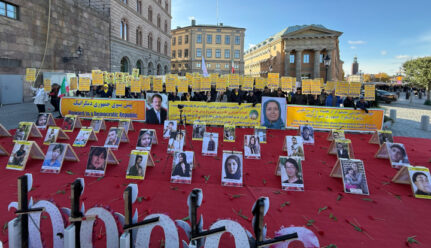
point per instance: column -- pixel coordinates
(286, 62)
(330, 65)
(316, 63)
(298, 61)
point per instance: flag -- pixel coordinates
(233, 69)
(204, 68)
(63, 89)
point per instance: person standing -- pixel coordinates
(40, 98)
(332, 100)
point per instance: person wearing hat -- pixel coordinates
(106, 92)
(362, 104)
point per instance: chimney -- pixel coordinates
(193, 22)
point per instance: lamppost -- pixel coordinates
(327, 62)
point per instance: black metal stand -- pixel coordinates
(76, 214)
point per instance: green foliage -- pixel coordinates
(418, 72)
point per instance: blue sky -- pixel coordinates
(382, 34)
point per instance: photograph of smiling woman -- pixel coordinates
(273, 112)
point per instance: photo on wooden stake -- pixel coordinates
(232, 169)
(291, 173)
(210, 144)
(353, 175)
(182, 167)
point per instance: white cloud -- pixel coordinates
(251, 45)
(353, 47)
(402, 57)
(383, 52)
(356, 42)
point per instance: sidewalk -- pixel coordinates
(11, 115)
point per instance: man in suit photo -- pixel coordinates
(157, 114)
(342, 150)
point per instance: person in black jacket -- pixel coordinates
(348, 102)
(362, 104)
(236, 96)
(299, 98)
(173, 97)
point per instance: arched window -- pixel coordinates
(166, 26)
(150, 14)
(159, 22)
(166, 69)
(165, 48)
(150, 69)
(139, 6)
(139, 36)
(167, 6)
(158, 45)
(124, 29)
(124, 64)
(159, 69)
(139, 66)
(150, 41)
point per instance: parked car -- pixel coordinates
(385, 96)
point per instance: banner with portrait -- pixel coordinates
(273, 112)
(216, 113)
(334, 118)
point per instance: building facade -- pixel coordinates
(140, 36)
(355, 66)
(221, 46)
(297, 51)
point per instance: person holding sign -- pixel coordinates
(157, 114)
(362, 104)
(332, 100)
(106, 92)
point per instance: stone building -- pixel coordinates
(355, 66)
(221, 46)
(297, 51)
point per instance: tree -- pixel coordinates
(382, 77)
(418, 72)
(367, 78)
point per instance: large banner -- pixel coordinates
(334, 118)
(216, 113)
(103, 107)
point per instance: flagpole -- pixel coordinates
(217, 11)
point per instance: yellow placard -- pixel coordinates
(286, 84)
(189, 79)
(342, 89)
(97, 77)
(196, 83)
(330, 86)
(170, 84)
(213, 78)
(128, 81)
(247, 83)
(217, 113)
(370, 92)
(135, 72)
(221, 84)
(157, 84)
(120, 89)
(110, 78)
(334, 118)
(273, 80)
(30, 74)
(355, 89)
(47, 84)
(73, 83)
(135, 86)
(260, 83)
(234, 81)
(183, 86)
(306, 86)
(315, 87)
(84, 84)
(146, 83)
(205, 83)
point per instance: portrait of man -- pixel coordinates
(397, 155)
(124, 124)
(232, 169)
(96, 124)
(54, 157)
(22, 132)
(307, 134)
(198, 131)
(156, 114)
(338, 134)
(169, 127)
(114, 137)
(19, 156)
(68, 123)
(137, 165)
(42, 120)
(421, 183)
(51, 135)
(295, 146)
(342, 150)
(210, 144)
(385, 137)
(273, 112)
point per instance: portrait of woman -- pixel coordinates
(97, 158)
(145, 140)
(42, 120)
(176, 142)
(292, 171)
(354, 178)
(273, 110)
(55, 156)
(181, 168)
(232, 167)
(136, 169)
(251, 146)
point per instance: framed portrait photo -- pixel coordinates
(168, 128)
(229, 133)
(343, 149)
(353, 174)
(232, 169)
(68, 123)
(137, 165)
(307, 134)
(97, 161)
(54, 158)
(182, 167)
(260, 132)
(51, 135)
(251, 147)
(176, 142)
(199, 129)
(114, 137)
(145, 139)
(295, 146)
(291, 173)
(273, 112)
(82, 137)
(397, 155)
(19, 156)
(385, 137)
(23, 131)
(42, 120)
(210, 144)
(97, 124)
(420, 181)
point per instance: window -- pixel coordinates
(165, 48)
(226, 66)
(124, 29)
(237, 54)
(139, 36)
(306, 58)
(218, 53)
(292, 58)
(159, 45)
(227, 39)
(227, 53)
(150, 14)
(159, 22)
(124, 64)
(150, 41)
(186, 39)
(174, 40)
(209, 53)
(125, 1)
(180, 53)
(208, 65)
(186, 53)
(173, 54)
(237, 40)
(180, 40)
(209, 38)
(198, 65)
(166, 26)
(217, 66)
(166, 6)
(199, 38)
(218, 39)
(321, 58)
(198, 52)
(139, 7)
(236, 66)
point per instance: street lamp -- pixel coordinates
(327, 62)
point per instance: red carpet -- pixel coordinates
(387, 217)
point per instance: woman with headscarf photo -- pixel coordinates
(232, 167)
(272, 113)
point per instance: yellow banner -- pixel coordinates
(306, 86)
(221, 84)
(205, 84)
(120, 89)
(157, 84)
(84, 84)
(370, 92)
(183, 87)
(315, 87)
(273, 80)
(286, 84)
(247, 83)
(47, 85)
(146, 83)
(97, 77)
(170, 84)
(330, 85)
(30, 74)
(73, 83)
(355, 89)
(135, 87)
(217, 113)
(342, 89)
(213, 78)
(334, 118)
(103, 108)
(260, 83)
(234, 81)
